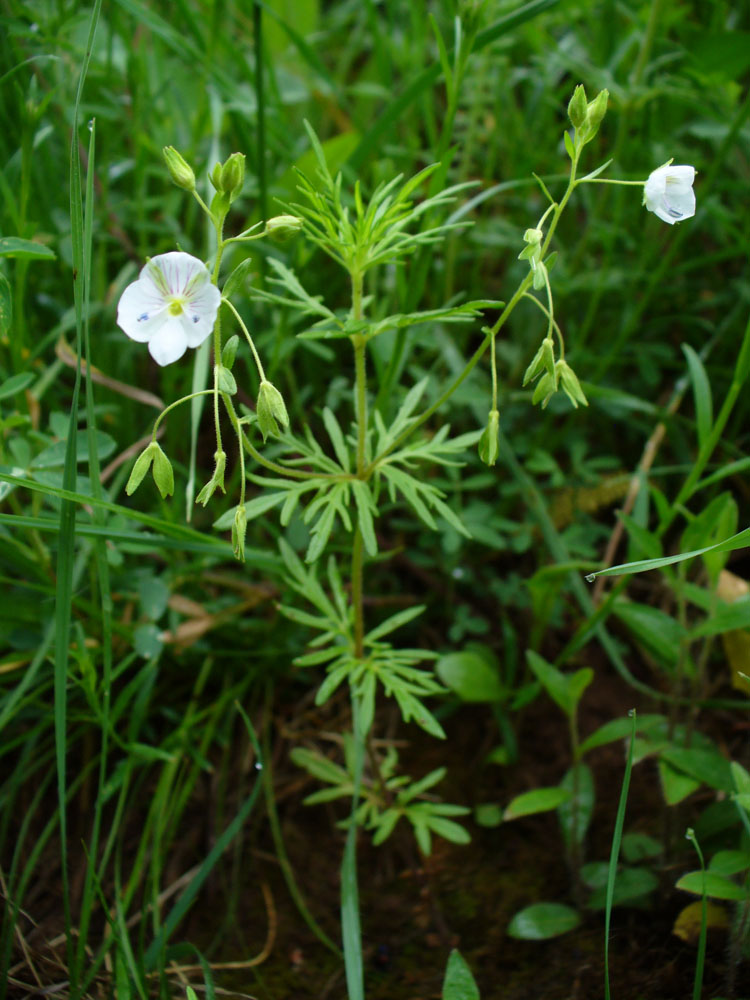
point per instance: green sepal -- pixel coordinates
(162, 472)
(269, 409)
(225, 380)
(216, 481)
(141, 467)
(596, 111)
(545, 389)
(548, 351)
(570, 384)
(229, 352)
(489, 442)
(239, 530)
(540, 275)
(536, 367)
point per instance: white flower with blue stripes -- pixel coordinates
(172, 306)
(669, 193)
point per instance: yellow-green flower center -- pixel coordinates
(175, 307)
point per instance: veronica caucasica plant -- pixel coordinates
(172, 306)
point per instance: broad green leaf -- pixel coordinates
(706, 766)
(459, 983)
(631, 886)
(564, 689)
(726, 618)
(716, 886)
(53, 457)
(618, 729)
(659, 632)
(543, 920)
(16, 383)
(537, 801)
(675, 784)
(470, 676)
(12, 246)
(638, 846)
(729, 862)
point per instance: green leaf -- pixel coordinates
(459, 983)
(365, 510)
(701, 394)
(337, 439)
(16, 383)
(726, 618)
(661, 634)
(638, 846)
(564, 689)
(147, 640)
(543, 920)
(393, 623)
(731, 544)
(706, 766)
(575, 812)
(618, 729)
(6, 307)
(470, 676)
(631, 886)
(237, 280)
(716, 886)
(675, 784)
(537, 801)
(12, 246)
(730, 862)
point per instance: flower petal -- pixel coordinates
(668, 193)
(200, 313)
(139, 311)
(169, 343)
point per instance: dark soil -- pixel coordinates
(414, 910)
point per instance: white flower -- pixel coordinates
(669, 193)
(172, 306)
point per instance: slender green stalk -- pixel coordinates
(615, 853)
(701, 956)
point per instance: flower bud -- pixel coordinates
(239, 530)
(283, 227)
(162, 473)
(570, 384)
(180, 170)
(489, 444)
(215, 176)
(141, 467)
(545, 390)
(233, 175)
(216, 481)
(269, 409)
(578, 107)
(595, 113)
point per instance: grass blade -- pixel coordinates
(616, 841)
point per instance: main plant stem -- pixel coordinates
(360, 394)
